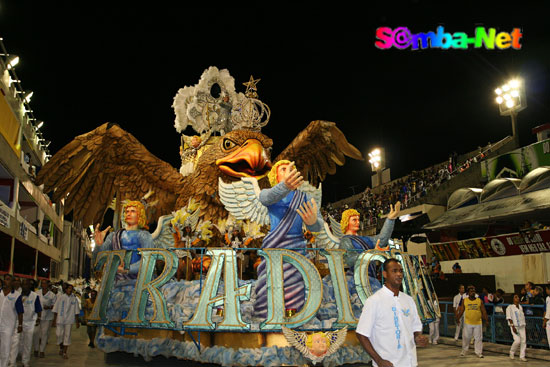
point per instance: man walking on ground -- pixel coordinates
(65, 313)
(389, 328)
(473, 310)
(516, 320)
(31, 318)
(456, 303)
(88, 307)
(47, 300)
(11, 318)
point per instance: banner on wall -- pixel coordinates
(519, 243)
(517, 163)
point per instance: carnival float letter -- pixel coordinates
(361, 272)
(110, 260)
(274, 258)
(144, 284)
(230, 300)
(335, 259)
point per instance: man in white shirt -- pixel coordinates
(11, 317)
(456, 303)
(545, 323)
(47, 300)
(389, 327)
(65, 313)
(31, 318)
(516, 320)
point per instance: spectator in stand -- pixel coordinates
(526, 295)
(498, 299)
(486, 296)
(457, 269)
(529, 286)
(457, 300)
(537, 299)
(516, 320)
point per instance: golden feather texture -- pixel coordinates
(90, 170)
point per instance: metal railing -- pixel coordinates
(497, 330)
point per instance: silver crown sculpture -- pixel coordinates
(214, 107)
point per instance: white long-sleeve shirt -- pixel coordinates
(516, 315)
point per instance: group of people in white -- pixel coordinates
(471, 314)
(26, 317)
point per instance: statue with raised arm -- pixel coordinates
(351, 241)
(286, 206)
(132, 237)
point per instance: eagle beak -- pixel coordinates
(249, 160)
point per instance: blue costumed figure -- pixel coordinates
(288, 209)
(133, 237)
(351, 241)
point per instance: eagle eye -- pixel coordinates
(228, 144)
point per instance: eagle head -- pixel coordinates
(244, 153)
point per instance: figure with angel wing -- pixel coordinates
(315, 346)
(132, 237)
(286, 206)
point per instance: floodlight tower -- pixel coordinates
(511, 100)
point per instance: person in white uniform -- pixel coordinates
(65, 314)
(47, 300)
(389, 327)
(31, 318)
(434, 328)
(11, 318)
(456, 303)
(516, 320)
(545, 323)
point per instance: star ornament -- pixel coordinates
(251, 87)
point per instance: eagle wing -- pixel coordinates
(242, 199)
(318, 149)
(95, 166)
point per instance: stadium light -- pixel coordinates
(39, 125)
(377, 164)
(511, 100)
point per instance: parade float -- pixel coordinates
(180, 291)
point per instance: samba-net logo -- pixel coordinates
(402, 38)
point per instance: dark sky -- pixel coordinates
(90, 63)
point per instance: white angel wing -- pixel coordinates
(337, 338)
(242, 199)
(325, 238)
(162, 237)
(335, 227)
(312, 192)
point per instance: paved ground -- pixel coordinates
(441, 355)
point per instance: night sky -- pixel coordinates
(91, 64)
